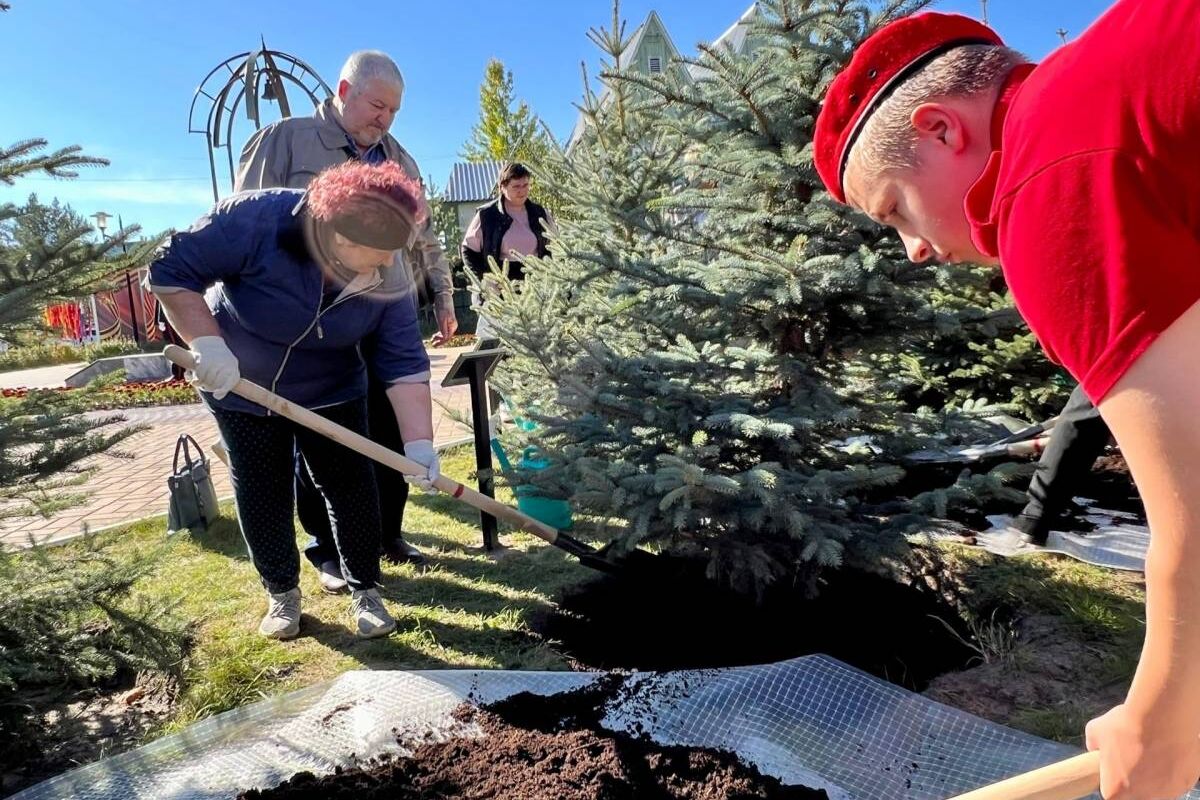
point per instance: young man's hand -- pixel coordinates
(1150, 746)
(1142, 760)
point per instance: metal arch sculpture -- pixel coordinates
(246, 80)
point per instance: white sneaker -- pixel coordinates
(283, 615)
(371, 618)
(330, 576)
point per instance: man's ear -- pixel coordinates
(343, 89)
(940, 122)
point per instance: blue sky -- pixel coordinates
(118, 77)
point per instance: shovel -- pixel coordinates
(1065, 780)
(587, 555)
(1029, 433)
(1025, 442)
(979, 452)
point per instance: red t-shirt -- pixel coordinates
(1092, 204)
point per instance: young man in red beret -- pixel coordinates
(1081, 178)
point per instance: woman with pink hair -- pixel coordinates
(300, 278)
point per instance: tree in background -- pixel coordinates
(503, 132)
(714, 354)
(37, 221)
(67, 620)
(46, 255)
(508, 130)
(444, 218)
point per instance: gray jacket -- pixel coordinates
(289, 153)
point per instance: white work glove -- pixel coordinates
(216, 367)
(422, 452)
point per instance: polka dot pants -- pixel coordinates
(262, 456)
(390, 484)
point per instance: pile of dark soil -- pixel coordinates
(545, 748)
(1108, 486)
(1111, 486)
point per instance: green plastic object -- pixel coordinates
(553, 512)
(546, 510)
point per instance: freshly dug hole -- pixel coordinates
(678, 620)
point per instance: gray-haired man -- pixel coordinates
(352, 125)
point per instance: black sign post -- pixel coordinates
(474, 368)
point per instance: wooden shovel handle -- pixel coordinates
(361, 444)
(1065, 780)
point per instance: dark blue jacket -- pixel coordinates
(268, 302)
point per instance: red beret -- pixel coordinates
(883, 61)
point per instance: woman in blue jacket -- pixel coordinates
(298, 279)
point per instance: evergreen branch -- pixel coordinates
(22, 159)
(668, 93)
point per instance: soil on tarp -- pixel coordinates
(1107, 486)
(545, 748)
(903, 633)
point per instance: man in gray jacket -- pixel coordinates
(353, 125)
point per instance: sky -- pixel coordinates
(118, 77)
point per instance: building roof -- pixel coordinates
(652, 23)
(734, 38)
(472, 182)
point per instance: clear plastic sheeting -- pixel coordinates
(812, 721)
(1118, 541)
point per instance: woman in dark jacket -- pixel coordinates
(304, 278)
(508, 229)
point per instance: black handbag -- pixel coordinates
(193, 503)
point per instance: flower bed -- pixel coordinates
(44, 354)
(123, 395)
(459, 340)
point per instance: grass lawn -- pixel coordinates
(1056, 640)
(463, 610)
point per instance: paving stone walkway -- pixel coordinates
(133, 487)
